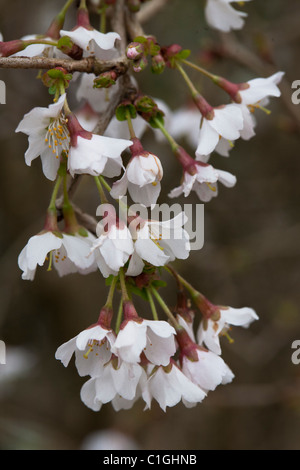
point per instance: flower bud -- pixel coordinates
(105, 79)
(11, 47)
(140, 64)
(158, 64)
(134, 51)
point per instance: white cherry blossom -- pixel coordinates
(48, 136)
(141, 178)
(67, 253)
(226, 121)
(210, 329)
(91, 153)
(207, 371)
(158, 242)
(92, 349)
(114, 244)
(155, 339)
(222, 16)
(206, 191)
(116, 380)
(168, 386)
(260, 88)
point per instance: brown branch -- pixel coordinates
(150, 9)
(118, 25)
(87, 65)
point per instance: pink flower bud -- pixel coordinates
(134, 50)
(11, 47)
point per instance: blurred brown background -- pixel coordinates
(251, 255)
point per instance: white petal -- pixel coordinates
(65, 351)
(88, 395)
(39, 246)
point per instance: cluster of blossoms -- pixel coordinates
(163, 360)
(151, 359)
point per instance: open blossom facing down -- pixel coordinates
(221, 15)
(158, 242)
(48, 136)
(92, 349)
(224, 121)
(202, 367)
(117, 382)
(210, 329)
(114, 244)
(207, 370)
(155, 339)
(67, 253)
(206, 191)
(260, 88)
(200, 177)
(125, 355)
(168, 386)
(141, 178)
(93, 154)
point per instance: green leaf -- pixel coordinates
(140, 292)
(159, 283)
(65, 41)
(159, 116)
(55, 73)
(122, 109)
(140, 39)
(154, 49)
(184, 54)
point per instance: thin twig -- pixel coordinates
(150, 9)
